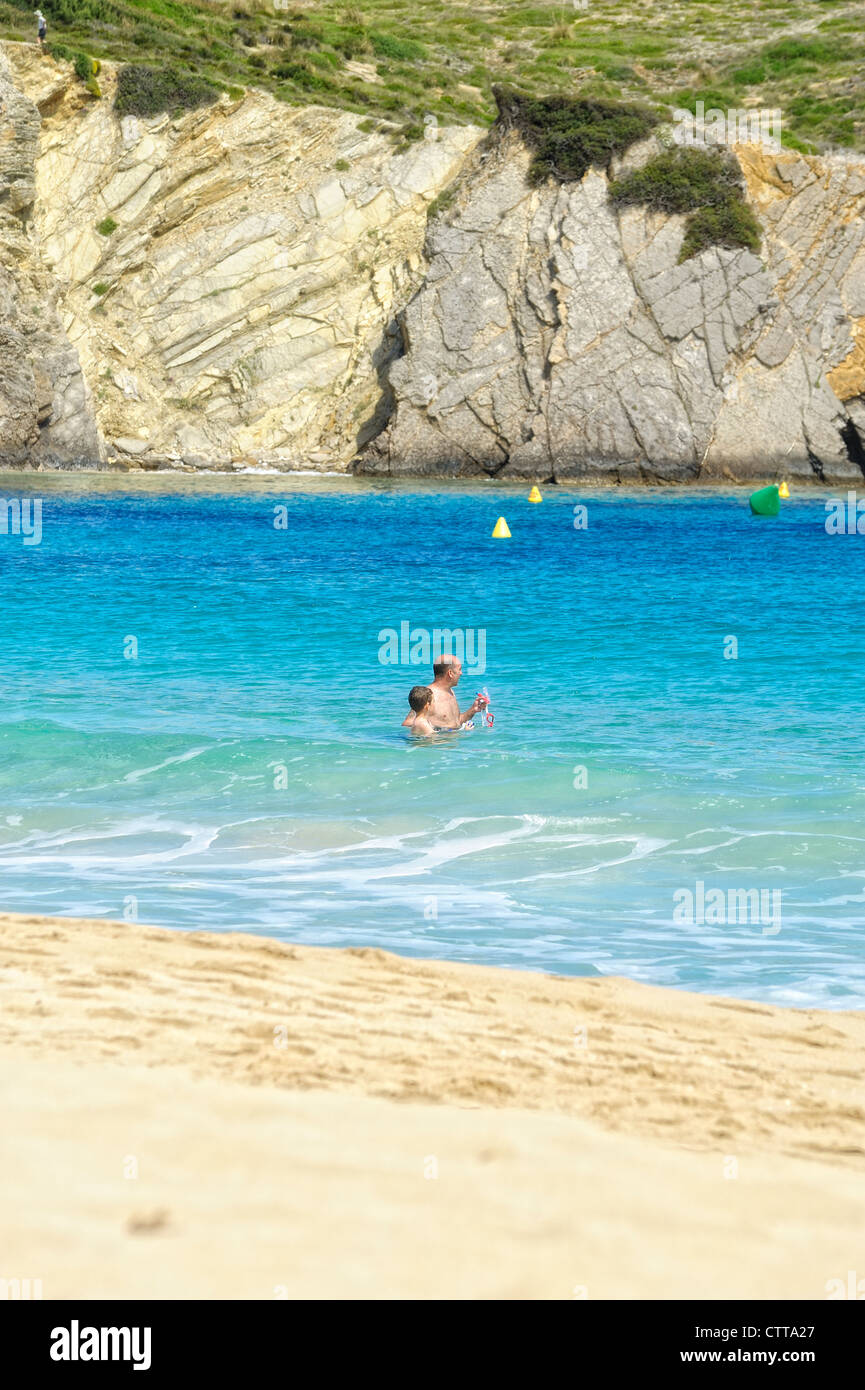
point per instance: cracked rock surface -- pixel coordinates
(257, 284)
(239, 312)
(45, 415)
(554, 336)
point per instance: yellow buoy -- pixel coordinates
(500, 530)
(783, 490)
(535, 495)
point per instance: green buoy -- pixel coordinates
(766, 501)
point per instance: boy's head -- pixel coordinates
(420, 698)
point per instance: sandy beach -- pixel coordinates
(225, 1116)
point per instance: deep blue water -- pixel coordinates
(248, 770)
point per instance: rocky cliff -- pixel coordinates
(229, 279)
(45, 418)
(556, 336)
(253, 283)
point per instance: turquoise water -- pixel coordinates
(248, 770)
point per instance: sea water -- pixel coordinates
(201, 707)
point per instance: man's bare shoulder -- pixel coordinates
(444, 698)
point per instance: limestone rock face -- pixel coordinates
(256, 284)
(556, 337)
(45, 417)
(239, 311)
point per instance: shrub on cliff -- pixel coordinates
(730, 224)
(705, 183)
(569, 135)
(84, 67)
(680, 180)
(143, 91)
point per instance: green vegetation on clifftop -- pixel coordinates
(143, 91)
(402, 59)
(569, 135)
(705, 183)
(399, 59)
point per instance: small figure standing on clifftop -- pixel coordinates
(41, 28)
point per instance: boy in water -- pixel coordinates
(445, 712)
(420, 697)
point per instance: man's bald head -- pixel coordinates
(447, 668)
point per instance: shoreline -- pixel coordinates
(639, 1141)
(800, 487)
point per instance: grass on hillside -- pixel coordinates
(398, 61)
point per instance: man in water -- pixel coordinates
(445, 712)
